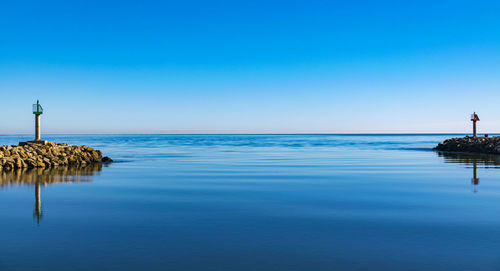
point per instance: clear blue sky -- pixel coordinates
(249, 66)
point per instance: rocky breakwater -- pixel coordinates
(490, 145)
(44, 154)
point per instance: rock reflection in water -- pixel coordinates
(474, 160)
(485, 160)
(39, 176)
(66, 174)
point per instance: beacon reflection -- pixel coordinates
(475, 179)
(39, 178)
(37, 214)
(473, 160)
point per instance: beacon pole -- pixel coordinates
(37, 111)
(474, 118)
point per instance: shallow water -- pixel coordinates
(255, 202)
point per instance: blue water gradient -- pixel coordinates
(258, 202)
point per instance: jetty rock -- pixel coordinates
(490, 145)
(45, 154)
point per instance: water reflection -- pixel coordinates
(39, 177)
(483, 160)
(474, 160)
(37, 214)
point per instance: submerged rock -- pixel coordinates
(106, 159)
(45, 154)
(490, 145)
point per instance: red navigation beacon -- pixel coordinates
(474, 117)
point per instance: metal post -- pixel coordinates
(474, 129)
(37, 127)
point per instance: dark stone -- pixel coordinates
(490, 145)
(106, 159)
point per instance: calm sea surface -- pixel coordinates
(255, 202)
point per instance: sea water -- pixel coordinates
(255, 202)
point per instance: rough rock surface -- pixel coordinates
(45, 154)
(490, 145)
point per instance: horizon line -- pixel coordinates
(418, 133)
